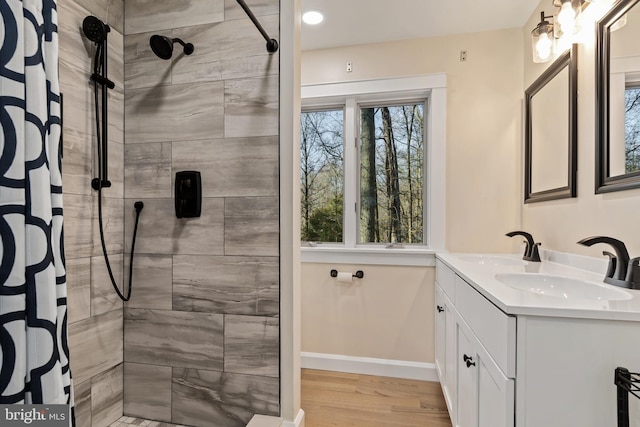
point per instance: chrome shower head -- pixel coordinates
(94, 29)
(162, 46)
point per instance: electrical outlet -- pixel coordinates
(349, 69)
(463, 55)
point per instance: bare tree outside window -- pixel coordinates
(321, 175)
(392, 174)
(632, 129)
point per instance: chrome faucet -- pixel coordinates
(531, 252)
(621, 271)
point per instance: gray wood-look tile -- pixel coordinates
(74, 49)
(206, 398)
(239, 51)
(147, 170)
(110, 11)
(76, 56)
(78, 100)
(173, 338)
(175, 113)
(251, 345)
(160, 232)
(95, 345)
(152, 15)
(142, 68)
(203, 65)
(269, 300)
(147, 391)
(232, 9)
(251, 226)
(151, 281)
(103, 296)
(106, 397)
(82, 402)
(244, 52)
(251, 66)
(217, 284)
(115, 60)
(251, 107)
(112, 222)
(116, 117)
(78, 289)
(77, 163)
(78, 233)
(231, 167)
(116, 170)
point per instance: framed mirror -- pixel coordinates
(551, 131)
(618, 98)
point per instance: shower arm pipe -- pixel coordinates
(272, 44)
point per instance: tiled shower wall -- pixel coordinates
(201, 341)
(95, 315)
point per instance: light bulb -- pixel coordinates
(566, 18)
(543, 46)
(312, 17)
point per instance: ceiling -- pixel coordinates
(351, 22)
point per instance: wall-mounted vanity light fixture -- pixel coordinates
(567, 21)
(559, 32)
(542, 39)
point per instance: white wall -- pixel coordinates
(389, 314)
(560, 224)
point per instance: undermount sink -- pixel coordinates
(562, 287)
(494, 260)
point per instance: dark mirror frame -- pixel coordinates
(568, 59)
(604, 182)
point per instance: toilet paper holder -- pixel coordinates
(359, 274)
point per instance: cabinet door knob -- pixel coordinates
(468, 360)
(440, 309)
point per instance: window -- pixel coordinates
(372, 169)
(391, 173)
(632, 127)
(321, 175)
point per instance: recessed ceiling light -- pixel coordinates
(312, 17)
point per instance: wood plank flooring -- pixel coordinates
(351, 400)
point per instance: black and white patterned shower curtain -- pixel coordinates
(33, 296)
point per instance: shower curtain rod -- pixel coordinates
(272, 44)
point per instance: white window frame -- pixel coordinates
(430, 87)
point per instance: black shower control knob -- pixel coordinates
(440, 309)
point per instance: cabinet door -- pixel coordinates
(467, 379)
(450, 357)
(496, 398)
(439, 335)
(485, 395)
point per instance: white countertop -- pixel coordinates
(520, 302)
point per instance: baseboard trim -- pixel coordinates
(369, 366)
(298, 422)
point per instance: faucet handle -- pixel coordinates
(633, 273)
(613, 262)
(535, 255)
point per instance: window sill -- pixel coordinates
(408, 256)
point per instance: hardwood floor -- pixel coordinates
(351, 400)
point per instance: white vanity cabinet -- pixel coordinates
(475, 354)
(555, 370)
